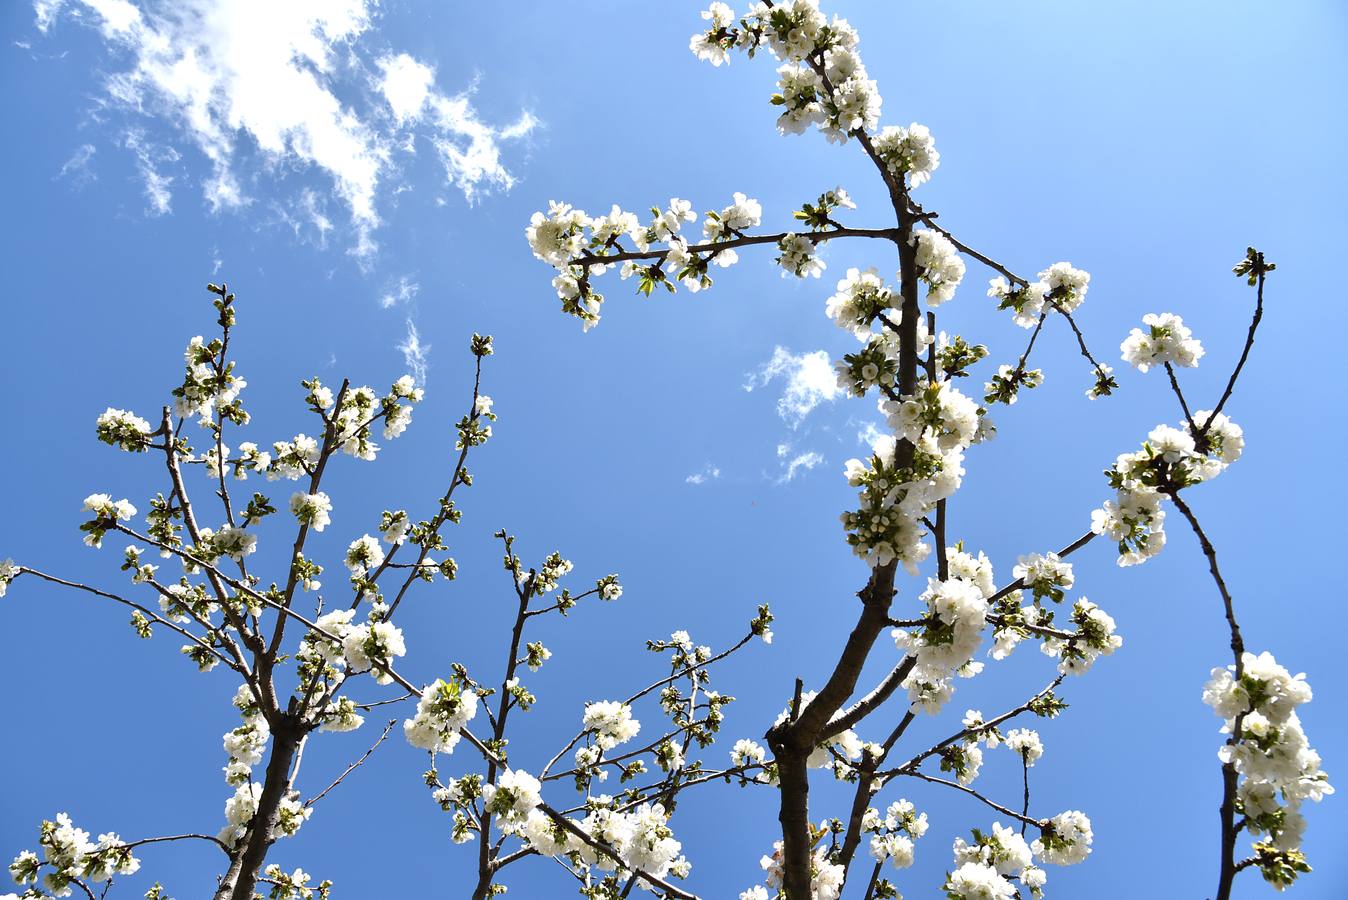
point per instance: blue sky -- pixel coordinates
(1148, 143)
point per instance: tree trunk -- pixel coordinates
(251, 852)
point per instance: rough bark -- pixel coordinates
(241, 878)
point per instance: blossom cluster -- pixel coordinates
(1170, 459)
(826, 876)
(442, 712)
(640, 838)
(984, 866)
(242, 807)
(1166, 341)
(1269, 751)
(70, 857)
(939, 423)
(942, 270)
(9, 570)
(893, 834)
(245, 744)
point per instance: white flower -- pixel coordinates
(713, 44)
(896, 848)
(1166, 340)
(976, 881)
(1225, 438)
(365, 645)
(239, 811)
(799, 256)
(364, 554)
(234, 542)
(514, 796)
(611, 722)
(1066, 285)
(443, 710)
(1026, 742)
(742, 214)
(1045, 574)
(942, 268)
(311, 509)
(826, 878)
(860, 298)
(1066, 841)
(1264, 687)
(908, 151)
(123, 429)
(747, 753)
(1025, 302)
(557, 237)
(800, 89)
(393, 527)
(8, 572)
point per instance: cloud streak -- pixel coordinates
(401, 292)
(244, 77)
(792, 465)
(707, 473)
(415, 353)
(77, 167)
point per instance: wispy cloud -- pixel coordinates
(77, 168)
(415, 353)
(401, 292)
(793, 464)
(468, 148)
(869, 433)
(149, 158)
(222, 71)
(707, 473)
(810, 380)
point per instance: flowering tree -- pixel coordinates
(303, 658)
(906, 489)
(295, 661)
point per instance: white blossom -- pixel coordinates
(1166, 340)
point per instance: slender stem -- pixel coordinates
(143, 610)
(590, 259)
(1244, 354)
(1227, 811)
(354, 766)
(129, 845)
(1019, 583)
(1025, 809)
(1023, 819)
(1179, 394)
(911, 765)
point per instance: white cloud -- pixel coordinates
(316, 211)
(406, 85)
(810, 380)
(708, 473)
(801, 461)
(234, 75)
(415, 353)
(148, 158)
(77, 168)
(468, 148)
(45, 11)
(868, 434)
(792, 464)
(403, 291)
